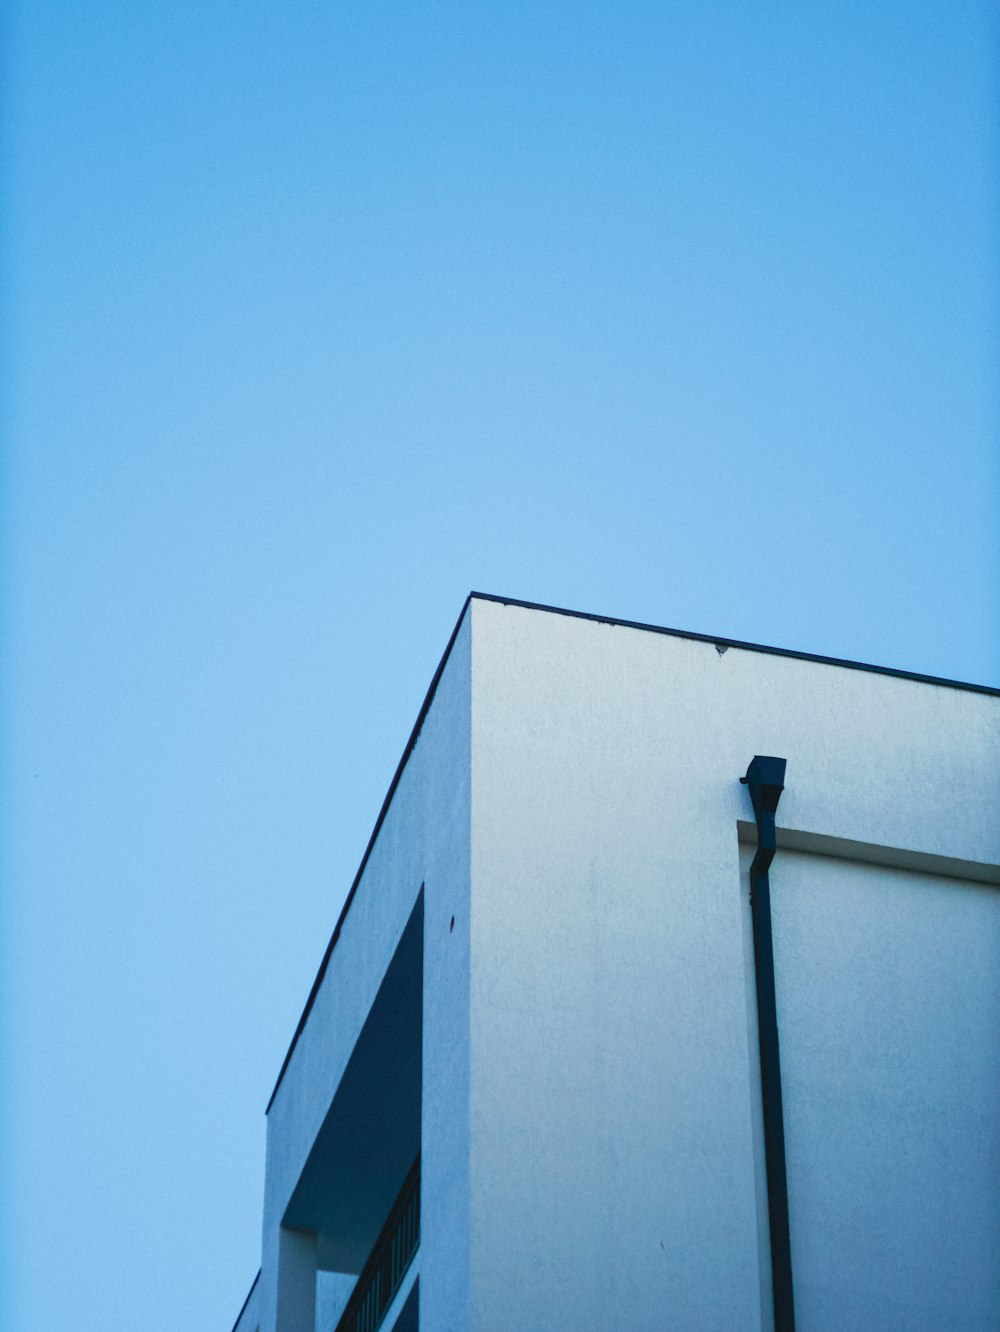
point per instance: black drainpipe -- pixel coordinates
(766, 781)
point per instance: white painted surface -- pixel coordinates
(611, 1134)
(294, 1281)
(423, 840)
(590, 1105)
(333, 1290)
(888, 990)
(612, 1075)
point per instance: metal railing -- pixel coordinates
(382, 1275)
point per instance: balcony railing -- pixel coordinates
(382, 1275)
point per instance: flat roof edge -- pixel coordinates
(414, 736)
(844, 662)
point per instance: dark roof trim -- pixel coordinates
(576, 615)
(242, 1311)
(414, 735)
(736, 643)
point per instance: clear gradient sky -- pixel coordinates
(321, 314)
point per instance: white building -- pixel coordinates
(536, 1027)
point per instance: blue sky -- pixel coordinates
(318, 316)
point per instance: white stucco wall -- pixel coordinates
(424, 840)
(591, 1145)
(612, 1156)
(888, 989)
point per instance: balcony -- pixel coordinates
(356, 1204)
(389, 1261)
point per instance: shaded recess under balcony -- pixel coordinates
(368, 1147)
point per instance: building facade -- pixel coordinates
(537, 1083)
